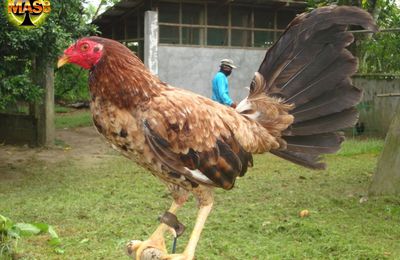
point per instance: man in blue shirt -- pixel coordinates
(220, 86)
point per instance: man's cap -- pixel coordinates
(228, 62)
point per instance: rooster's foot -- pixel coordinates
(146, 250)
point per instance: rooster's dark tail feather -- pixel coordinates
(310, 67)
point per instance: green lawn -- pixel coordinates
(97, 208)
(72, 118)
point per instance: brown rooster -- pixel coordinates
(299, 98)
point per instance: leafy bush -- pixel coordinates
(15, 82)
(71, 84)
(26, 52)
(11, 233)
(380, 52)
(18, 88)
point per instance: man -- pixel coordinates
(220, 86)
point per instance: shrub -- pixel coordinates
(71, 84)
(11, 233)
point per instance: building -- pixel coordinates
(183, 41)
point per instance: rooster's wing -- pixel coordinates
(204, 141)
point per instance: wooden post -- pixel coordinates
(386, 179)
(43, 75)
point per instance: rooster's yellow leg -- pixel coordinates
(158, 234)
(156, 240)
(205, 205)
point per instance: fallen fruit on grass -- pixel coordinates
(304, 213)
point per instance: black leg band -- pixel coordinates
(171, 220)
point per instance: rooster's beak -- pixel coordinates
(62, 61)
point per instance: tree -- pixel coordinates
(94, 11)
(377, 53)
(19, 48)
(32, 54)
(386, 179)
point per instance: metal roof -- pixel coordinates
(125, 6)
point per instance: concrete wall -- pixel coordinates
(376, 112)
(194, 67)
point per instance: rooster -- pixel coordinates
(299, 98)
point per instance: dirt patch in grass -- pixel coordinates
(83, 145)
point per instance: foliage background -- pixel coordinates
(69, 21)
(18, 49)
(378, 54)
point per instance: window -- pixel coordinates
(141, 25)
(217, 15)
(263, 39)
(192, 36)
(128, 29)
(241, 38)
(132, 25)
(169, 34)
(216, 24)
(168, 13)
(217, 37)
(192, 14)
(241, 16)
(134, 32)
(136, 47)
(133, 46)
(284, 18)
(264, 19)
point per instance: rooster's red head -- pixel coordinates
(85, 53)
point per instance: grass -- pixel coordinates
(62, 109)
(97, 208)
(66, 118)
(356, 146)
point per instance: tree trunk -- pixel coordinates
(43, 75)
(386, 179)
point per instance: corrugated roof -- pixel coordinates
(127, 5)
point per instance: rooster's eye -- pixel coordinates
(85, 47)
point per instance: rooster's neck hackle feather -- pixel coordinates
(121, 77)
